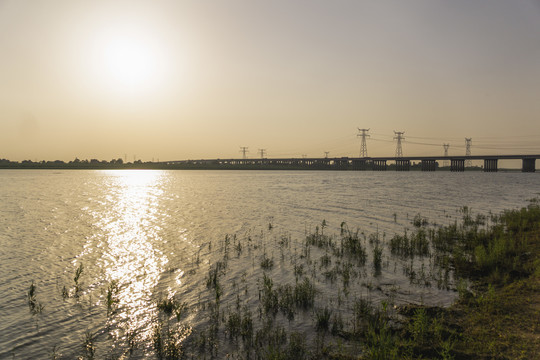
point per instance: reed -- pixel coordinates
(35, 306)
(323, 319)
(77, 277)
(89, 347)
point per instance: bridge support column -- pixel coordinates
(529, 165)
(360, 164)
(403, 165)
(457, 165)
(428, 165)
(341, 164)
(379, 165)
(490, 165)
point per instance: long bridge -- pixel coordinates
(426, 163)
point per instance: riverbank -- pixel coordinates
(498, 315)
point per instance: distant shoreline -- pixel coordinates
(139, 165)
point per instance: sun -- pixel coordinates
(128, 61)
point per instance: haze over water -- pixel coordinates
(156, 233)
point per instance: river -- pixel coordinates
(151, 235)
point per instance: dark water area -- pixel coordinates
(150, 235)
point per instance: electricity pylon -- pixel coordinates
(363, 146)
(262, 152)
(244, 150)
(445, 146)
(399, 137)
(468, 143)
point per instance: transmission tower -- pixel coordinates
(262, 152)
(363, 146)
(399, 137)
(244, 150)
(326, 154)
(468, 143)
(445, 146)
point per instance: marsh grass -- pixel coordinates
(34, 305)
(322, 322)
(266, 262)
(316, 300)
(77, 277)
(112, 296)
(89, 346)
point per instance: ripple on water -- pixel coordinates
(155, 234)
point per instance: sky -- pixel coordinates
(174, 80)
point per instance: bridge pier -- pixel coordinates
(379, 165)
(428, 165)
(529, 165)
(490, 165)
(342, 163)
(403, 165)
(360, 164)
(457, 165)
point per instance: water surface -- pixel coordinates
(155, 234)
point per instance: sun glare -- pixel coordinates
(128, 62)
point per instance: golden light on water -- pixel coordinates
(131, 258)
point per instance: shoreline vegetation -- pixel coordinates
(119, 164)
(491, 262)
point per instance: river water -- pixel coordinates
(155, 234)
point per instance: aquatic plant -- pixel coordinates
(377, 257)
(35, 306)
(172, 305)
(234, 324)
(323, 319)
(304, 293)
(419, 221)
(266, 262)
(112, 291)
(76, 278)
(89, 347)
(169, 343)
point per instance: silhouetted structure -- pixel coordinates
(244, 150)
(445, 146)
(399, 137)
(363, 146)
(468, 143)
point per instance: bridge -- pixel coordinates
(425, 163)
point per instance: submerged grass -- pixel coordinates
(495, 269)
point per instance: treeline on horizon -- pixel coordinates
(119, 163)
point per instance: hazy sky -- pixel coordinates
(198, 79)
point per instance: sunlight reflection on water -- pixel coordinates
(131, 229)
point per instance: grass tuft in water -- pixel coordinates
(77, 277)
(322, 322)
(35, 306)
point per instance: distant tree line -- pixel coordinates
(75, 164)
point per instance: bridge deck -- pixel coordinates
(428, 163)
